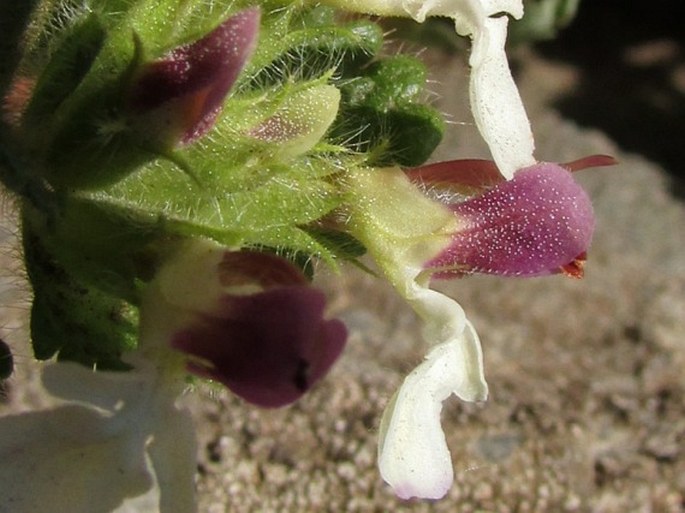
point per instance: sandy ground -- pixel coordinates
(587, 381)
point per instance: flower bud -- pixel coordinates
(181, 94)
(300, 121)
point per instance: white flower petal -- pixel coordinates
(68, 459)
(105, 390)
(413, 455)
(495, 101)
(93, 457)
(173, 454)
(470, 384)
(445, 323)
(443, 317)
(462, 11)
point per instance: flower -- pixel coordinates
(249, 320)
(182, 92)
(539, 223)
(495, 101)
(119, 441)
(402, 232)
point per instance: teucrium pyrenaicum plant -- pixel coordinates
(117, 155)
(180, 164)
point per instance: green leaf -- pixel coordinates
(382, 114)
(306, 44)
(98, 245)
(69, 63)
(73, 320)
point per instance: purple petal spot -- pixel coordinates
(277, 129)
(538, 223)
(268, 347)
(192, 80)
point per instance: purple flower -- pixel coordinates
(184, 90)
(538, 223)
(250, 321)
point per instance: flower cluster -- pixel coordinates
(178, 168)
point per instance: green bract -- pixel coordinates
(383, 114)
(81, 322)
(108, 191)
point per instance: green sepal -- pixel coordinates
(289, 122)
